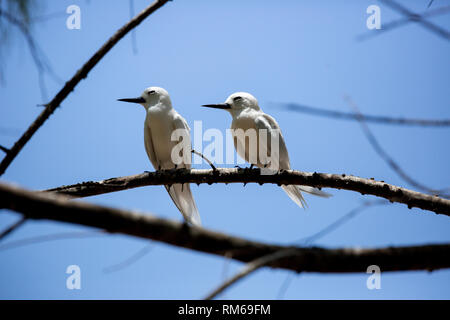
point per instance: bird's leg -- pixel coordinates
(173, 169)
(245, 170)
(249, 168)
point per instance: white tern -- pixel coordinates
(246, 115)
(160, 122)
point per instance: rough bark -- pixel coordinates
(39, 205)
(321, 180)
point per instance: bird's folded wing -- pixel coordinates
(149, 146)
(280, 155)
(180, 123)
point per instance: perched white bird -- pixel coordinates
(247, 114)
(160, 122)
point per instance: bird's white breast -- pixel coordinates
(160, 123)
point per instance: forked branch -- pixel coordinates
(39, 205)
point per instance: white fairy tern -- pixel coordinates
(160, 122)
(248, 116)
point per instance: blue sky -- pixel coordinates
(201, 52)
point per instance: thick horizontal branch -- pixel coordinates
(320, 180)
(70, 85)
(38, 205)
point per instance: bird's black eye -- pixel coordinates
(237, 98)
(151, 92)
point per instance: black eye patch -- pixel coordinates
(151, 92)
(237, 98)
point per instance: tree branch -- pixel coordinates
(4, 149)
(368, 118)
(38, 205)
(12, 227)
(39, 58)
(285, 177)
(309, 240)
(249, 268)
(339, 222)
(397, 23)
(387, 158)
(50, 237)
(72, 83)
(417, 18)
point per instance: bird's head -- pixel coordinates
(150, 97)
(237, 102)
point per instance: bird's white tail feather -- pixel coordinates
(294, 193)
(182, 197)
(314, 191)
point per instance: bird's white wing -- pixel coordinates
(266, 122)
(180, 123)
(281, 157)
(149, 146)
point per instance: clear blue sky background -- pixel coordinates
(202, 51)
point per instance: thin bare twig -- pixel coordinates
(248, 269)
(261, 262)
(325, 231)
(133, 32)
(397, 23)
(50, 237)
(129, 261)
(368, 118)
(72, 83)
(388, 159)
(417, 18)
(285, 286)
(48, 16)
(204, 158)
(12, 228)
(226, 265)
(340, 221)
(4, 149)
(8, 131)
(285, 177)
(40, 60)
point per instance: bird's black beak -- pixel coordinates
(133, 100)
(218, 106)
